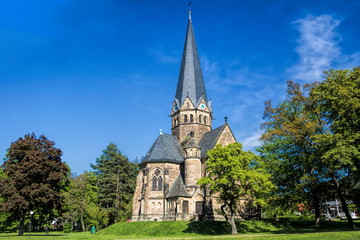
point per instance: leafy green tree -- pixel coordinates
(34, 178)
(312, 138)
(234, 174)
(116, 180)
(339, 102)
(98, 217)
(288, 148)
(82, 192)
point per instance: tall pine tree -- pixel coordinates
(116, 179)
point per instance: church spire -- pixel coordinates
(191, 82)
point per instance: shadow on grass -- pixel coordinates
(208, 228)
(266, 226)
(32, 235)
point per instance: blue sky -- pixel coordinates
(87, 73)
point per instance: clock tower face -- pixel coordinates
(176, 108)
(202, 106)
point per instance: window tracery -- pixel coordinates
(157, 181)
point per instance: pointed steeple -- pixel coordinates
(191, 82)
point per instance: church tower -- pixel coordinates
(191, 111)
(166, 186)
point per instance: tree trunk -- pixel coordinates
(317, 210)
(232, 220)
(343, 202)
(117, 195)
(21, 225)
(82, 220)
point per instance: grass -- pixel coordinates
(254, 230)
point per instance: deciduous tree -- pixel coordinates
(234, 174)
(34, 178)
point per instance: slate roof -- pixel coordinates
(209, 139)
(178, 189)
(166, 148)
(191, 82)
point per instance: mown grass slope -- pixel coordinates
(187, 228)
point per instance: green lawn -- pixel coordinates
(206, 230)
(79, 236)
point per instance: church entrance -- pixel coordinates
(185, 207)
(199, 210)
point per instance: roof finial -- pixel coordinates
(161, 133)
(226, 119)
(189, 12)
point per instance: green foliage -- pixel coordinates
(67, 227)
(234, 174)
(289, 151)
(97, 216)
(82, 192)
(339, 101)
(35, 177)
(116, 180)
(311, 140)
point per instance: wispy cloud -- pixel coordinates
(162, 56)
(318, 48)
(251, 141)
(239, 93)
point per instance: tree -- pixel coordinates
(288, 148)
(34, 178)
(316, 131)
(339, 102)
(116, 178)
(82, 192)
(234, 174)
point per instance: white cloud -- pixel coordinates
(162, 57)
(318, 48)
(252, 141)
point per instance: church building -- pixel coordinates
(166, 186)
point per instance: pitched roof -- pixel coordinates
(191, 82)
(178, 189)
(209, 139)
(166, 148)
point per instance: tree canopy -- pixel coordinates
(234, 174)
(311, 140)
(116, 180)
(34, 179)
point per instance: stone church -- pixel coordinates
(166, 186)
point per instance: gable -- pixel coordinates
(221, 135)
(226, 136)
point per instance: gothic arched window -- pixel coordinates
(160, 183)
(205, 120)
(157, 181)
(185, 118)
(200, 118)
(154, 183)
(191, 118)
(192, 134)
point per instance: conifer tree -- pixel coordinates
(116, 177)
